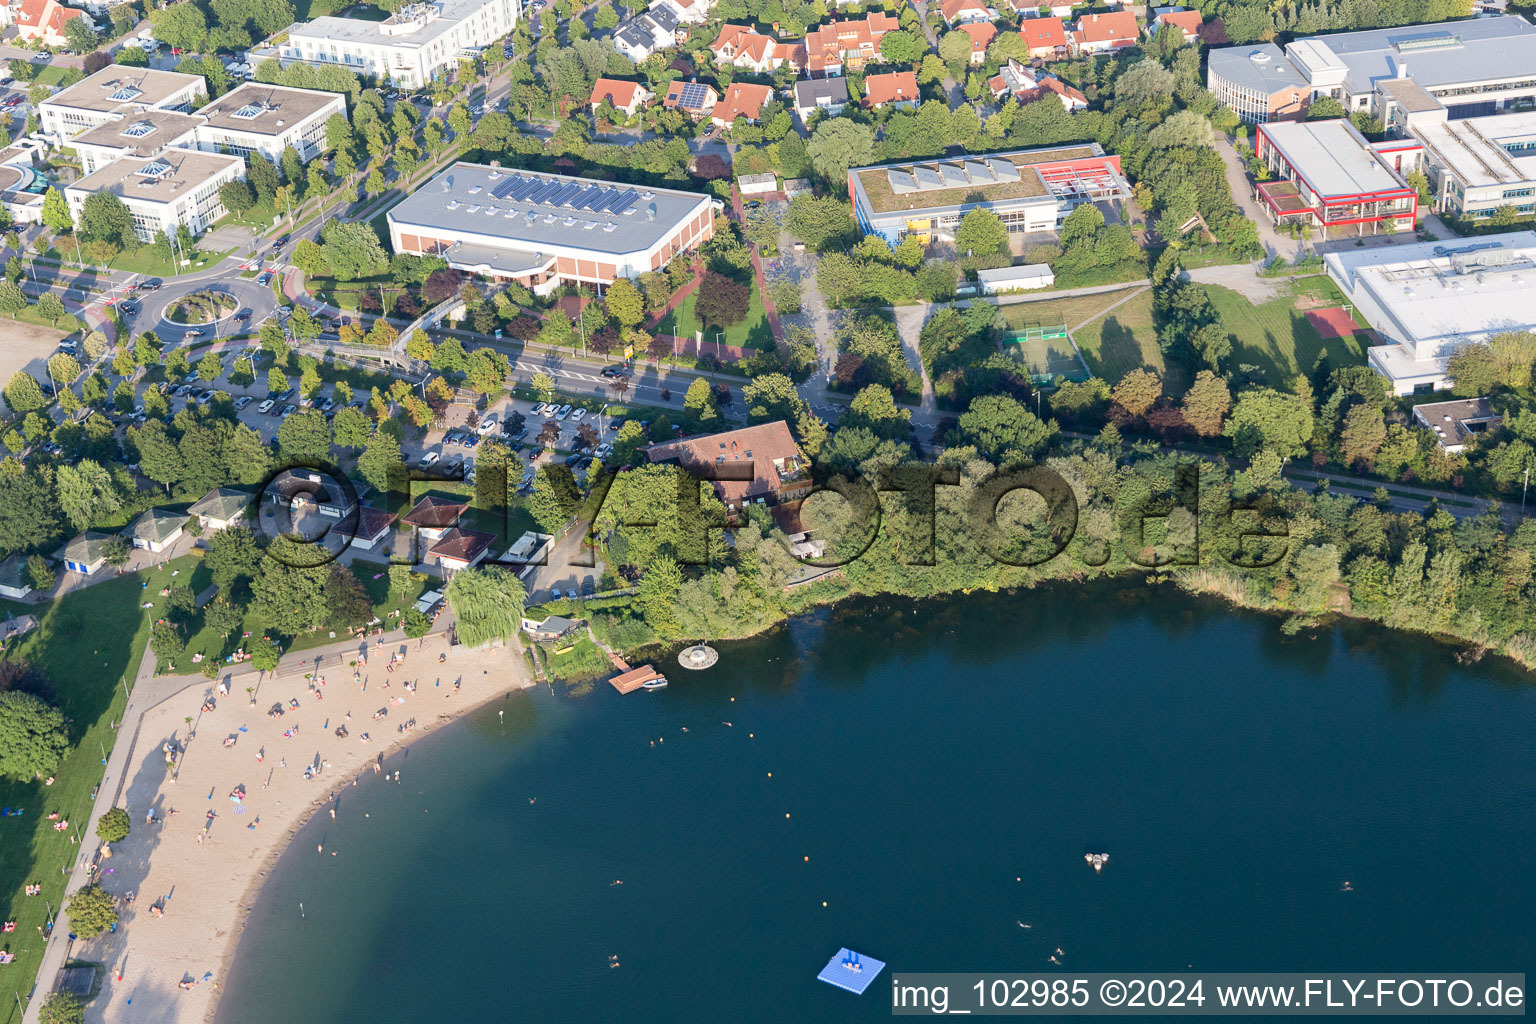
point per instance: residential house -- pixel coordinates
(1105, 33)
(367, 529)
(759, 464)
(15, 580)
(45, 20)
(1027, 85)
(742, 99)
(687, 12)
(1045, 37)
(627, 97)
(897, 89)
(220, 508)
(843, 46)
(647, 33)
(696, 98)
(982, 33)
(305, 490)
(964, 12)
(1055, 8)
(1181, 18)
(554, 627)
(738, 46)
(829, 95)
(433, 517)
(1457, 424)
(86, 554)
(156, 530)
(459, 549)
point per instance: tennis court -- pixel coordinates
(1046, 350)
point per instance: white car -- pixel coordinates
(487, 425)
(429, 458)
(565, 410)
(266, 406)
(538, 409)
(549, 410)
(578, 414)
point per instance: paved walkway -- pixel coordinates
(909, 327)
(1275, 244)
(1242, 278)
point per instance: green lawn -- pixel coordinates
(1070, 311)
(1122, 340)
(52, 74)
(143, 261)
(107, 619)
(752, 332)
(1277, 337)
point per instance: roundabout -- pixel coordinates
(202, 308)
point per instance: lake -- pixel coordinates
(944, 767)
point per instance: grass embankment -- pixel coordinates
(752, 331)
(86, 644)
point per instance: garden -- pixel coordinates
(201, 307)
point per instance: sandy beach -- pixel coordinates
(227, 810)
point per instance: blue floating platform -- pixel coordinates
(851, 971)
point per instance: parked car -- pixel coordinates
(290, 409)
(243, 401)
(284, 394)
(565, 410)
(429, 458)
(603, 450)
(327, 405)
(578, 414)
(549, 410)
(488, 424)
(184, 391)
(538, 409)
(265, 406)
(587, 589)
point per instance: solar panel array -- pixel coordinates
(574, 195)
(693, 95)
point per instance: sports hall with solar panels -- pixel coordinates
(545, 230)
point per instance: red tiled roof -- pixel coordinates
(760, 446)
(743, 99)
(435, 513)
(955, 8)
(739, 39)
(1105, 28)
(898, 86)
(462, 545)
(981, 33)
(620, 94)
(1043, 32)
(1189, 21)
(47, 15)
(675, 94)
(827, 45)
(1063, 90)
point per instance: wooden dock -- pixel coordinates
(628, 682)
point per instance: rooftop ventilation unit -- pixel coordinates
(609, 226)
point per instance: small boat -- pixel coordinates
(654, 684)
(1098, 860)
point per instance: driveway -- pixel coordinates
(1237, 180)
(1242, 278)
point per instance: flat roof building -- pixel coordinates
(117, 91)
(1479, 164)
(1427, 299)
(412, 47)
(1459, 423)
(134, 135)
(1030, 190)
(178, 186)
(547, 229)
(266, 119)
(1329, 176)
(1474, 67)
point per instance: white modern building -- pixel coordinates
(545, 230)
(114, 92)
(410, 48)
(177, 186)
(1003, 280)
(1428, 299)
(141, 134)
(647, 33)
(1479, 164)
(266, 119)
(1474, 67)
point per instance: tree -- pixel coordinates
(1363, 433)
(113, 826)
(1138, 391)
(1003, 430)
(166, 641)
(554, 498)
(12, 299)
(625, 303)
(838, 144)
(874, 409)
(487, 604)
(351, 427)
(1144, 81)
(721, 302)
(416, 624)
(50, 307)
(62, 1007)
(106, 217)
(63, 367)
(277, 382)
(32, 736)
(542, 383)
(223, 616)
(237, 196)
(1207, 403)
(264, 654)
(305, 436)
(352, 250)
(486, 370)
(86, 493)
(309, 257)
(1267, 419)
(1316, 570)
(56, 213)
(981, 233)
(818, 222)
(347, 603)
(1324, 108)
(91, 911)
(378, 458)
(23, 393)
(955, 48)
(40, 573)
(902, 47)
